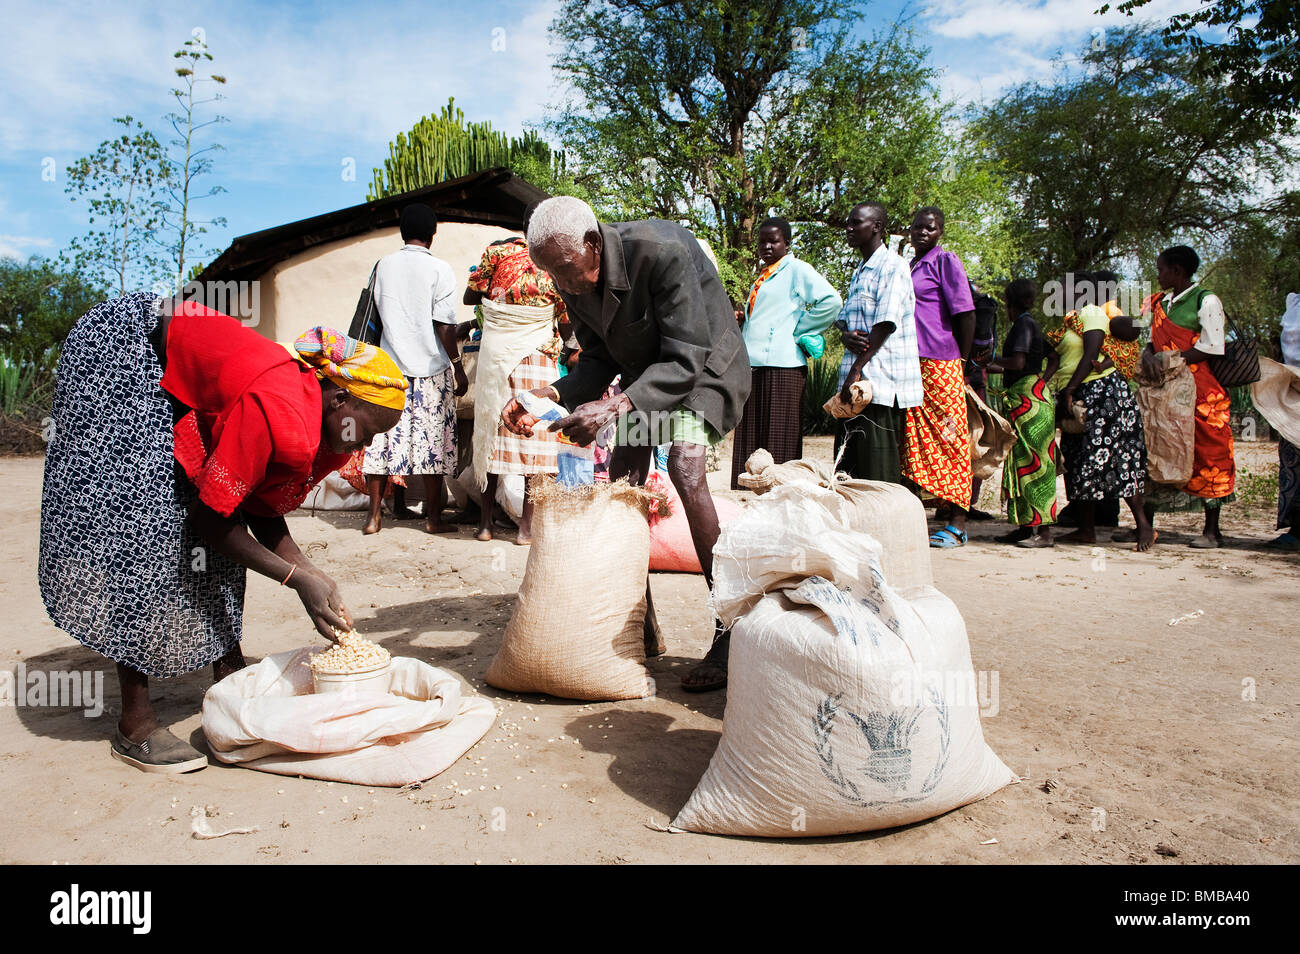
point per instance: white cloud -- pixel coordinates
(305, 78)
(1035, 21)
(23, 247)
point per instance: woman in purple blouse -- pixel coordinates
(936, 438)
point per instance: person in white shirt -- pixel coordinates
(415, 297)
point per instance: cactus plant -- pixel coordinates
(445, 146)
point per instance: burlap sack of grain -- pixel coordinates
(991, 436)
(576, 631)
(1168, 405)
(266, 717)
(849, 707)
(468, 363)
(889, 512)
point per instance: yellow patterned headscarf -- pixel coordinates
(359, 368)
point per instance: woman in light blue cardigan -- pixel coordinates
(786, 311)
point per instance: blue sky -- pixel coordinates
(312, 85)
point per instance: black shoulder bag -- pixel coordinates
(1239, 363)
(366, 325)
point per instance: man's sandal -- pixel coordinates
(161, 753)
(948, 538)
(715, 658)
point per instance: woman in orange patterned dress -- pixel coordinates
(1189, 319)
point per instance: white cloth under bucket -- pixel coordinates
(266, 717)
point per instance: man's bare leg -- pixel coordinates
(400, 510)
(375, 486)
(433, 502)
(688, 469)
(487, 510)
(525, 536)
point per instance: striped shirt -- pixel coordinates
(881, 290)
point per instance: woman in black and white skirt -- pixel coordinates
(180, 441)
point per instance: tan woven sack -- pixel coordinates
(576, 631)
(991, 437)
(1168, 407)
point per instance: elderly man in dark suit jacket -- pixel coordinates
(647, 304)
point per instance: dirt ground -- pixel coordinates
(1183, 734)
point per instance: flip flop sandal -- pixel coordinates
(948, 538)
(161, 753)
(715, 657)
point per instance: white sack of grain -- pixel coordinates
(849, 707)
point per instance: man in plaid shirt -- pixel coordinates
(878, 327)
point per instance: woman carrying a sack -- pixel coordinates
(1029, 472)
(1191, 320)
(180, 442)
(523, 317)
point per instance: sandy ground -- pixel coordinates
(1097, 691)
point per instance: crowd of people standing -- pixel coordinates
(218, 433)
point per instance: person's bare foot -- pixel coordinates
(1078, 536)
(372, 526)
(433, 526)
(1146, 538)
(483, 535)
(523, 539)
(710, 673)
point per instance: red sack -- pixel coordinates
(671, 548)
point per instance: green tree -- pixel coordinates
(1131, 150)
(1258, 267)
(187, 158)
(445, 147)
(717, 113)
(1258, 66)
(39, 304)
(123, 183)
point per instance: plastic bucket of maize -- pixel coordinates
(369, 680)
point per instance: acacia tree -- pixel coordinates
(188, 159)
(1130, 151)
(123, 183)
(716, 113)
(1257, 65)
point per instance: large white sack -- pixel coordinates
(849, 707)
(335, 493)
(266, 717)
(510, 491)
(889, 512)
